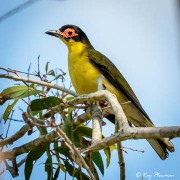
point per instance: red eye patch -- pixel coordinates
(69, 33)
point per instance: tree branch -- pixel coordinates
(121, 161)
(120, 156)
(96, 123)
(97, 115)
(15, 137)
(42, 83)
(111, 98)
(11, 154)
(136, 133)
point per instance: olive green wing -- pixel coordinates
(112, 74)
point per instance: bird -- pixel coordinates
(86, 64)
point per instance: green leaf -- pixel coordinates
(14, 91)
(48, 167)
(47, 66)
(107, 152)
(68, 128)
(9, 109)
(33, 155)
(75, 172)
(92, 166)
(68, 98)
(76, 139)
(19, 91)
(62, 167)
(84, 131)
(64, 151)
(30, 93)
(51, 72)
(45, 103)
(56, 174)
(57, 153)
(97, 159)
(34, 113)
(58, 76)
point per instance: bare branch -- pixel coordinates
(120, 155)
(96, 123)
(121, 161)
(111, 98)
(42, 83)
(15, 137)
(136, 133)
(11, 154)
(97, 115)
(83, 117)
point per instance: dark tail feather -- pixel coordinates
(111, 118)
(159, 145)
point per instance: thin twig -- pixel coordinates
(142, 151)
(9, 123)
(120, 155)
(76, 151)
(121, 161)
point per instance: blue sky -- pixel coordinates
(141, 38)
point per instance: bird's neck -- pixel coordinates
(78, 47)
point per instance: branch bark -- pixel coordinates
(96, 123)
(112, 100)
(42, 83)
(11, 154)
(136, 133)
(15, 137)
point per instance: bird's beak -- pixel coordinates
(56, 33)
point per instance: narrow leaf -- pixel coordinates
(64, 151)
(45, 103)
(9, 109)
(97, 159)
(75, 172)
(51, 72)
(84, 131)
(48, 167)
(107, 152)
(47, 66)
(33, 155)
(30, 93)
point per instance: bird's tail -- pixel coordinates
(161, 146)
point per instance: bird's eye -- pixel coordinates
(70, 33)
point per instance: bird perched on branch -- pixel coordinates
(86, 65)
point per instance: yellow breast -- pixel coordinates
(83, 74)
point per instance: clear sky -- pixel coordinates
(141, 38)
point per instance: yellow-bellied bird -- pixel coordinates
(86, 65)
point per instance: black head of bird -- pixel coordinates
(70, 34)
